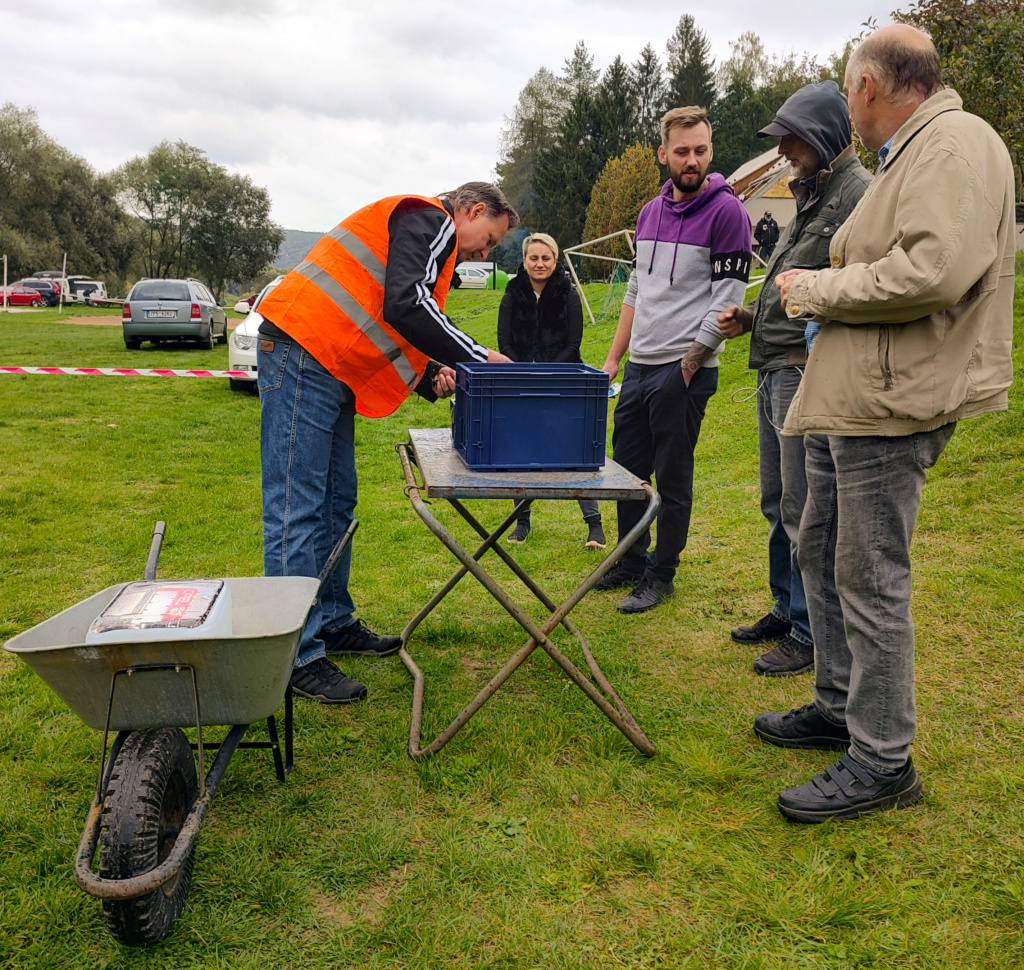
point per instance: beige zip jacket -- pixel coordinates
(918, 304)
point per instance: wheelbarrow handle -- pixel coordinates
(154, 550)
(335, 557)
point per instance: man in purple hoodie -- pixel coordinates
(692, 261)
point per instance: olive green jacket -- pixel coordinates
(918, 307)
(777, 339)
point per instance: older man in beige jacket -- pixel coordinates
(916, 320)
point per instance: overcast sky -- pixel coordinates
(331, 104)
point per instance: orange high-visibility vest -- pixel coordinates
(332, 303)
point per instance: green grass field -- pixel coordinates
(539, 838)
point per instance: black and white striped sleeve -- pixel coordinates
(422, 238)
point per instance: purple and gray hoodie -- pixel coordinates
(692, 261)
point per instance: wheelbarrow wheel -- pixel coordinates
(152, 787)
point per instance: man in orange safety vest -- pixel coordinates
(356, 327)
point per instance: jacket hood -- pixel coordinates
(817, 113)
(716, 185)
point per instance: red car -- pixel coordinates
(22, 296)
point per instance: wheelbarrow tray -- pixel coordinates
(238, 679)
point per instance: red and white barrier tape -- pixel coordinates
(124, 372)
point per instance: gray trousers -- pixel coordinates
(863, 496)
(588, 506)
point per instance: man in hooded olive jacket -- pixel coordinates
(814, 125)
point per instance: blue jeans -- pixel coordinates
(783, 492)
(863, 496)
(307, 454)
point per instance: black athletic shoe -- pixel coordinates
(359, 640)
(518, 535)
(803, 727)
(321, 681)
(647, 594)
(787, 658)
(617, 577)
(768, 628)
(848, 790)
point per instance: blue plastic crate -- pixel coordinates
(530, 417)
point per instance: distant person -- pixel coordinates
(916, 334)
(692, 261)
(354, 327)
(766, 235)
(541, 319)
(814, 125)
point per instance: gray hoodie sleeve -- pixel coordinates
(631, 289)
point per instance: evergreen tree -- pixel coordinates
(578, 72)
(616, 113)
(527, 135)
(567, 170)
(691, 71)
(649, 96)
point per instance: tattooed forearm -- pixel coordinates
(695, 356)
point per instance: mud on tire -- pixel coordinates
(152, 787)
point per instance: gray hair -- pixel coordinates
(903, 69)
(473, 193)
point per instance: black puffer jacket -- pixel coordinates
(548, 329)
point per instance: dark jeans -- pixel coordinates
(783, 492)
(307, 454)
(657, 422)
(863, 496)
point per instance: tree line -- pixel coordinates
(577, 154)
(170, 213)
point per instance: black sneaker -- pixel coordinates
(518, 535)
(617, 577)
(359, 640)
(321, 681)
(787, 658)
(646, 595)
(768, 628)
(802, 727)
(595, 536)
(848, 790)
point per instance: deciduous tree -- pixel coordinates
(624, 187)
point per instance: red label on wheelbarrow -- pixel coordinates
(158, 609)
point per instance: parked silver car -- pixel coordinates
(172, 310)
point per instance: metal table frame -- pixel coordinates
(445, 476)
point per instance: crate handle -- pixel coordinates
(537, 394)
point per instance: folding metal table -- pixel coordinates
(444, 475)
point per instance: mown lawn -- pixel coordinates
(539, 838)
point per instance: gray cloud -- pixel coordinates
(330, 103)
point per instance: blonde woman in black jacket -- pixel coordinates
(541, 319)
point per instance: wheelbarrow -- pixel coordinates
(150, 802)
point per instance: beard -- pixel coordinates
(688, 181)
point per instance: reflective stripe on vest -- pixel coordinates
(333, 305)
(348, 305)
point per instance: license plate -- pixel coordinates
(160, 314)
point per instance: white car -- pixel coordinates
(473, 278)
(242, 345)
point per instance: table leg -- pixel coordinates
(616, 712)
